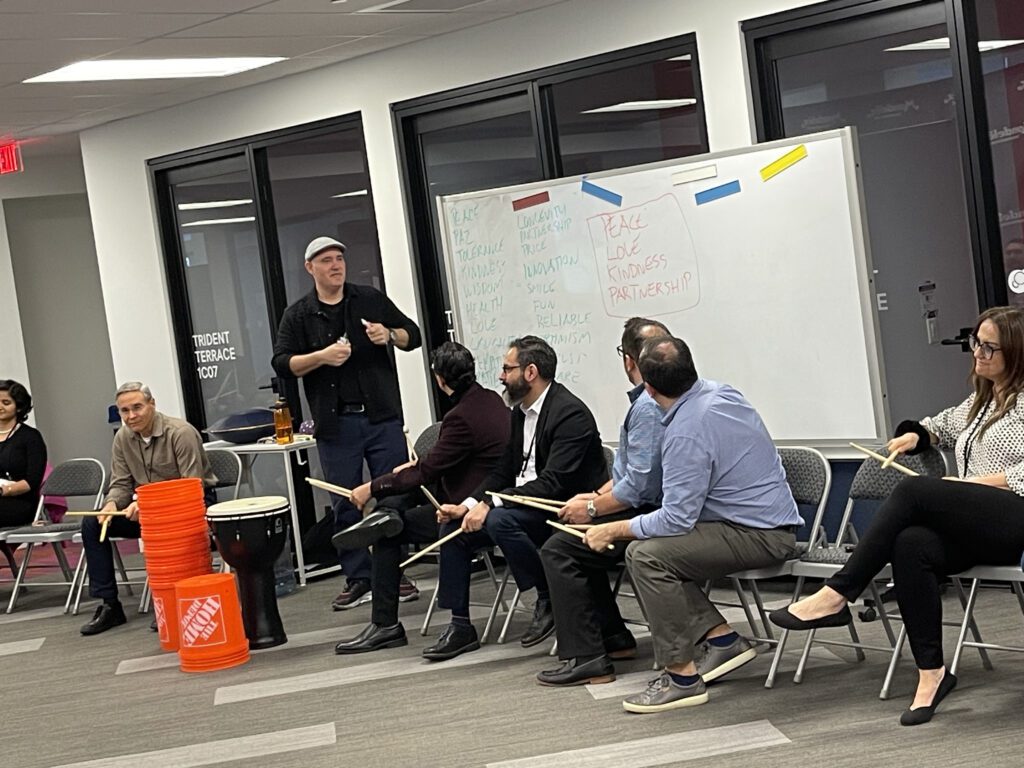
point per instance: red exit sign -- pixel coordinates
(10, 158)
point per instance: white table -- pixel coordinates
(249, 452)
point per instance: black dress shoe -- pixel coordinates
(620, 646)
(783, 618)
(542, 626)
(153, 627)
(454, 640)
(599, 670)
(374, 638)
(107, 616)
(922, 715)
(368, 531)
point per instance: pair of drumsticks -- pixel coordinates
(527, 501)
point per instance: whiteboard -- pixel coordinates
(757, 257)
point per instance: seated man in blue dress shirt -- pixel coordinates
(725, 507)
(588, 624)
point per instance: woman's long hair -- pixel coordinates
(1010, 323)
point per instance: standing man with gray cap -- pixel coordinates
(336, 339)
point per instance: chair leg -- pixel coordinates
(74, 582)
(852, 627)
(896, 651)
(508, 617)
(968, 617)
(769, 681)
(738, 587)
(765, 621)
(554, 648)
(798, 676)
(146, 598)
(986, 662)
(489, 564)
(58, 550)
(20, 577)
(498, 601)
(81, 586)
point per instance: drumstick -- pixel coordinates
(95, 513)
(432, 547)
(895, 465)
(573, 531)
(412, 448)
(103, 530)
(524, 502)
(430, 498)
(329, 487)
(539, 500)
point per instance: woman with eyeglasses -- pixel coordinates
(930, 528)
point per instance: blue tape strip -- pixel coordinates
(715, 193)
(605, 194)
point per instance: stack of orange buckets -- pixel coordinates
(176, 544)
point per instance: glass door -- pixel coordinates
(219, 262)
(891, 75)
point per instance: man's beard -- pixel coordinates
(516, 391)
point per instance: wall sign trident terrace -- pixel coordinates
(10, 158)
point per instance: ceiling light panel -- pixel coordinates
(151, 69)
(641, 106)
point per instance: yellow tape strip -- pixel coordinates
(784, 162)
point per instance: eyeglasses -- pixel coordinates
(987, 349)
(506, 369)
(618, 349)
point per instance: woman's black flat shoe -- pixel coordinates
(924, 714)
(783, 618)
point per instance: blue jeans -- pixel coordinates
(383, 447)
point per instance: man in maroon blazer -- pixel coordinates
(471, 442)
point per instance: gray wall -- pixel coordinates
(67, 346)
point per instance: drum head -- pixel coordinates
(241, 509)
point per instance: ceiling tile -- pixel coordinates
(58, 52)
(312, 24)
(183, 47)
(314, 6)
(127, 6)
(361, 47)
(47, 26)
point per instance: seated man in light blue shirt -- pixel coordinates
(725, 507)
(588, 624)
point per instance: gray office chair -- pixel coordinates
(809, 476)
(874, 484)
(74, 478)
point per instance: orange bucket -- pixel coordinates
(165, 609)
(211, 632)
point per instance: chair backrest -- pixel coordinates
(609, 459)
(76, 477)
(227, 466)
(874, 484)
(809, 476)
(427, 439)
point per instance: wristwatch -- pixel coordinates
(591, 509)
(392, 336)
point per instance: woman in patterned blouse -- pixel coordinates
(930, 528)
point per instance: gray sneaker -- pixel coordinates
(714, 661)
(663, 694)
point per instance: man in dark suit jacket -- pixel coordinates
(473, 437)
(554, 452)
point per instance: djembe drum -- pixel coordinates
(250, 536)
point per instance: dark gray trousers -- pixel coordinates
(668, 575)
